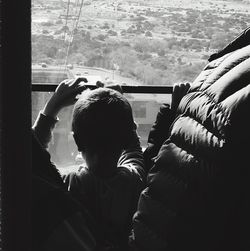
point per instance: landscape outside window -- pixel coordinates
(140, 42)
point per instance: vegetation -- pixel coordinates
(155, 45)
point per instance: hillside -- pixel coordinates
(156, 42)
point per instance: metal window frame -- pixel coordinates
(15, 126)
(126, 88)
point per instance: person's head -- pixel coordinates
(102, 122)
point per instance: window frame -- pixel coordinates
(126, 88)
(15, 125)
(15, 114)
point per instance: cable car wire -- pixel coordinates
(75, 24)
(71, 37)
(66, 21)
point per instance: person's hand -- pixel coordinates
(179, 91)
(64, 95)
(112, 85)
(115, 87)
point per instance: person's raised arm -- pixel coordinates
(160, 129)
(64, 95)
(133, 155)
(179, 91)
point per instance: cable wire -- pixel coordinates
(75, 24)
(66, 21)
(71, 37)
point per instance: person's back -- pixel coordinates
(112, 200)
(197, 196)
(110, 185)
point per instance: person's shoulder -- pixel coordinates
(130, 179)
(84, 172)
(129, 172)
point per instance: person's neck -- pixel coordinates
(103, 165)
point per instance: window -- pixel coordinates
(62, 147)
(139, 109)
(133, 43)
(52, 77)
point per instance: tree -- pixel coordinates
(123, 32)
(148, 34)
(58, 32)
(220, 39)
(188, 73)
(52, 51)
(101, 37)
(59, 21)
(76, 58)
(49, 23)
(65, 28)
(142, 45)
(45, 32)
(112, 33)
(61, 53)
(126, 58)
(105, 26)
(160, 63)
(45, 46)
(161, 52)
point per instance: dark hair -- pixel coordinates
(102, 121)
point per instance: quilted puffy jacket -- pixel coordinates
(198, 190)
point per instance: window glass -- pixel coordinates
(145, 41)
(62, 147)
(139, 108)
(52, 77)
(131, 42)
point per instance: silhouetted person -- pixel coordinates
(58, 221)
(197, 195)
(105, 133)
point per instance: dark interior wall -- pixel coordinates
(15, 124)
